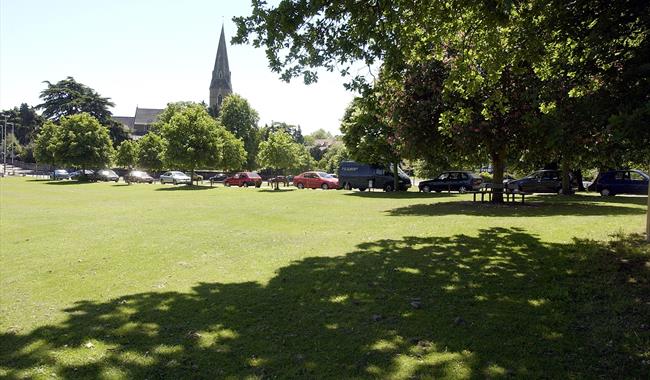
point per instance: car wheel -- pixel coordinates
(175, 183)
(162, 182)
(606, 192)
(462, 190)
(426, 189)
(300, 186)
(347, 186)
(245, 184)
(226, 184)
(362, 189)
(388, 188)
(258, 185)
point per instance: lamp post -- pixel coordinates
(4, 147)
(13, 144)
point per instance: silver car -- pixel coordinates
(175, 178)
(59, 174)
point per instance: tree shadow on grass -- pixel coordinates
(280, 190)
(578, 198)
(498, 304)
(399, 194)
(68, 182)
(184, 188)
(532, 209)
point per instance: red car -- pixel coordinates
(244, 179)
(314, 180)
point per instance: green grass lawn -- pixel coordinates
(107, 280)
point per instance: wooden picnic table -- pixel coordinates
(510, 196)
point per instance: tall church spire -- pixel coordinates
(220, 86)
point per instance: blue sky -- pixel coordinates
(149, 53)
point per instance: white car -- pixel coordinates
(175, 178)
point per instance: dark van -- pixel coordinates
(355, 175)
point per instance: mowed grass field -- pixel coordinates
(104, 280)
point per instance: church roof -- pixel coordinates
(127, 121)
(147, 115)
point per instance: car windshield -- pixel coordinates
(60, 171)
(399, 170)
(137, 174)
(253, 175)
(324, 175)
(533, 175)
(178, 173)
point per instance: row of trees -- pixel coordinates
(517, 83)
(187, 137)
(77, 121)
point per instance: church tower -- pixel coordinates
(220, 86)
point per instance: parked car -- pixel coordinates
(81, 174)
(315, 180)
(244, 179)
(218, 177)
(138, 176)
(197, 178)
(621, 182)
(175, 178)
(59, 174)
(106, 175)
(541, 181)
(355, 175)
(460, 181)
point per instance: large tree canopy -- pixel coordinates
(237, 116)
(68, 97)
(78, 140)
(279, 152)
(192, 139)
(499, 55)
(151, 151)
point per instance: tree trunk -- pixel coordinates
(647, 222)
(566, 180)
(498, 166)
(395, 176)
(578, 175)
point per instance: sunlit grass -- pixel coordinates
(149, 281)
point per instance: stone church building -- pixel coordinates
(220, 87)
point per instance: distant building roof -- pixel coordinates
(147, 115)
(325, 142)
(127, 121)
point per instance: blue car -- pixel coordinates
(621, 182)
